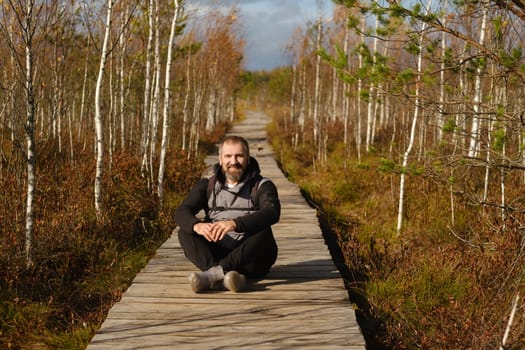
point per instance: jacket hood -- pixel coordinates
(252, 171)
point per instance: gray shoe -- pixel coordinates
(234, 281)
(205, 280)
(199, 281)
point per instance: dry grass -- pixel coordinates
(439, 284)
(82, 264)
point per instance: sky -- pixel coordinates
(268, 25)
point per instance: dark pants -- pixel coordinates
(253, 257)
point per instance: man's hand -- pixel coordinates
(214, 231)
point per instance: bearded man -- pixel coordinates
(235, 240)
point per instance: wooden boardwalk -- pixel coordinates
(301, 304)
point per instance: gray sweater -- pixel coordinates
(252, 211)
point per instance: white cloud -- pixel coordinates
(268, 25)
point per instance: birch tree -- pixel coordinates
(371, 101)
(123, 40)
(84, 90)
(475, 128)
(317, 87)
(99, 119)
(154, 110)
(28, 30)
(24, 26)
(346, 100)
(185, 108)
(26, 14)
(358, 128)
(167, 95)
(441, 108)
(146, 114)
(417, 110)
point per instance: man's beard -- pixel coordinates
(237, 173)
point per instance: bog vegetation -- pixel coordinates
(402, 124)
(105, 111)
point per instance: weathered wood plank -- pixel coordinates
(301, 304)
(253, 309)
(165, 341)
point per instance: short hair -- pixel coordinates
(235, 139)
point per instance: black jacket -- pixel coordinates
(266, 199)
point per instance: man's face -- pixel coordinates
(233, 161)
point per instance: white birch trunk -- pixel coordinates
(406, 155)
(514, 307)
(335, 94)
(475, 128)
(147, 90)
(155, 110)
(56, 109)
(84, 88)
(441, 110)
(487, 166)
(70, 114)
(232, 108)
(458, 138)
(185, 109)
(317, 82)
(452, 205)
(197, 103)
(503, 202)
(346, 99)
(422, 134)
(211, 107)
(30, 132)
(382, 106)
(370, 110)
(393, 138)
(375, 114)
(12, 99)
(292, 102)
(165, 110)
(383, 97)
(302, 103)
(201, 90)
(359, 91)
(111, 110)
(122, 80)
(99, 120)
(490, 128)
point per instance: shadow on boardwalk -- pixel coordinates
(301, 304)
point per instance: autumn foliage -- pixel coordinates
(64, 261)
(403, 123)
(82, 265)
(446, 283)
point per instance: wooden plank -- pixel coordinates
(165, 338)
(262, 293)
(302, 303)
(242, 312)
